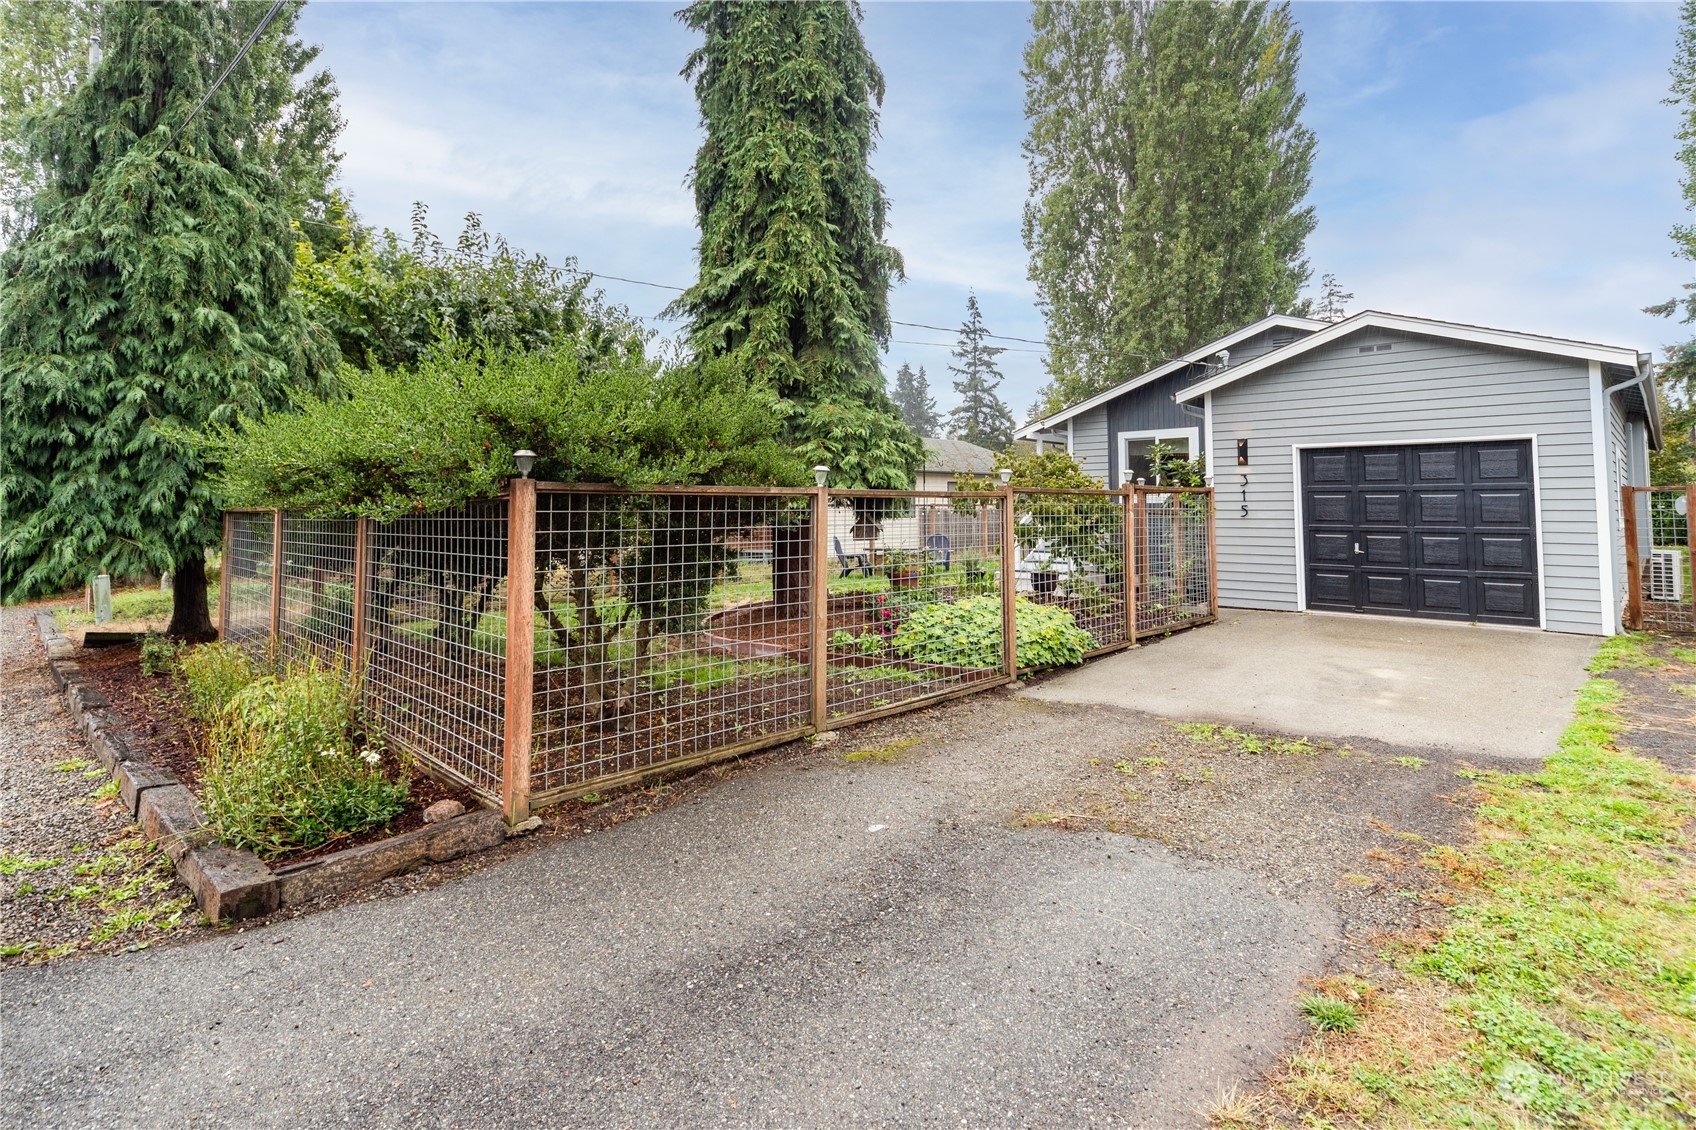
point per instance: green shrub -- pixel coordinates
(288, 765)
(967, 633)
(158, 654)
(214, 673)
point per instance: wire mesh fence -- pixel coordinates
(1659, 550)
(669, 626)
(915, 608)
(315, 609)
(1175, 571)
(1071, 555)
(246, 577)
(435, 619)
(673, 626)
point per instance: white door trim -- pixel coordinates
(1212, 442)
(1536, 507)
(1604, 510)
(1192, 435)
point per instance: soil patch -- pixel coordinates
(1660, 702)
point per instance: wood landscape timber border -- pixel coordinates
(231, 883)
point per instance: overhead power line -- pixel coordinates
(219, 81)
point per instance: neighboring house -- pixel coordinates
(947, 461)
(1405, 466)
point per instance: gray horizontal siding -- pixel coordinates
(1090, 444)
(1619, 474)
(1421, 389)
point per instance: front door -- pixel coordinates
(1445, 531)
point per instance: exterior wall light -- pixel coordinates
(1242, 453)
(820, 473)
(526, 459)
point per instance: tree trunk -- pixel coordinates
(191, 619)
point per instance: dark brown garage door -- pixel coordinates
(1445, 531)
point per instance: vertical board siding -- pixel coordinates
(1150, 409)
(1421, 389)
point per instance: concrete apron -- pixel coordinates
(1498, 691)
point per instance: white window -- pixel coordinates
(1135, 448)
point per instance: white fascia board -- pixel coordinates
(1401, 323)
(1275, 321)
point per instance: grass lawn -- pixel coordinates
(128, 606)
(1562, 992)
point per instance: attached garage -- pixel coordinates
(1398, 466)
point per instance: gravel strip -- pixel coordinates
(76, 875)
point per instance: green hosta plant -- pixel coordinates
(967, 633)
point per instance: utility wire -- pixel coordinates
(219, 81)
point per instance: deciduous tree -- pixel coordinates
(1168, 165)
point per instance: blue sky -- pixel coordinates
(1505, 164)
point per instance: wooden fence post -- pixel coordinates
(361, 582)
(1130, 539)
(1212, 554)
(276, 578)
(1633, 560)
(1690, 545)
(1009, 588)
(520, 649)
(224, 561)
(818, 644)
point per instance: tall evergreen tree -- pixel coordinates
(913, 399)
(795, 273)
(1332, 305)
(1677, 375)
(981, 417)
(147, 294)
(1168, 165)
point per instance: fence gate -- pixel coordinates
(1659, 545)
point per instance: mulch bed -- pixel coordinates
(155, 712)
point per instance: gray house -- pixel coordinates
(1399, 466)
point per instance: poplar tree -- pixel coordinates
(981, 417)
(146, 295)
(913, 399)
(1168, 165)
(794, 270)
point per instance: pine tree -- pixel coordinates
(980, 417)
(147, 295)
(795, 274)
(912, 397)
(1333, 302)
(1168, 165)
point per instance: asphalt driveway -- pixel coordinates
(1412, 683)
(822, 942)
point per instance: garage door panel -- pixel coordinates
(1381, 508)
(1501, 463)
(1503, 508)
(1385, 548)
(1331, 548)
(1439, 530)
(1330, 589)
(1442, 596)
(1438, 465)
(1330, 507)
(1388, 592)
(1441, 551)
(1439, 508)
(1507, 552)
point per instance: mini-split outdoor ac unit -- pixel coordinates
(1666, 577)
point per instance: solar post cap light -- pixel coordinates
(526, 459)
(1006, 474)
(819, 474)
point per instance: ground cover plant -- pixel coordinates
(967, 633)
(289, 762)
(1563, 990)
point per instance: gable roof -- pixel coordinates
(1193, 357)
(1426, 327)
(958, 457)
